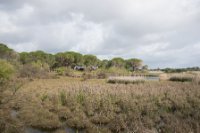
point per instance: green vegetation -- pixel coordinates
(6, 71)
(104, 96)
(68, 59)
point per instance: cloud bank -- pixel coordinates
(161, 32)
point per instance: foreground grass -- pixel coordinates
(96, 106)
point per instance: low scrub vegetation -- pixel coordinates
(34, 70)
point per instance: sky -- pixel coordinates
(163, 33)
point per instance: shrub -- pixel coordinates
(87, 75)
(64, 71)
(6, 71)
(181, 79)
(101, 74)
(35, 70)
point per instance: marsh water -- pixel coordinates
(148, 78)
(151, 78)
(66, 129)
(14, 114)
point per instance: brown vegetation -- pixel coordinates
(95, 106)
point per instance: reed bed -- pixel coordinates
(126, 79)
(96, 106)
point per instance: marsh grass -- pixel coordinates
(126, 80)
(62, 97)
(96, 106)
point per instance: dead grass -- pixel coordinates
(95, 106)
(126, 80)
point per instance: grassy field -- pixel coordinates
(95, 106)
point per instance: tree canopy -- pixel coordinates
(68, 59)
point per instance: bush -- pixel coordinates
(101, 74)
(6, 71)
(64, 71)
(87, 75)
(34, 70)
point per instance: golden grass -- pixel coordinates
(95, 106)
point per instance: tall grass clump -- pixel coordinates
(44, 97)
(80, 97)
(62, 96)
(126, 80)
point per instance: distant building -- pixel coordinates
(94, 67)
(79, 68)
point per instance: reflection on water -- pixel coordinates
(153, 78)
(14, 114)
(71, 130)
(32, 130)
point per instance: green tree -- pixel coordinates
(25, 57)
(118, 62)
(134, 64)
(90, 60)
(104, 64)
(39, 56)
(64, 59)
(77, 58)
(7, 53)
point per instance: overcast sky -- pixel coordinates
(164, 33)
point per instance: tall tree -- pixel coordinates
(134, 64)
(118, 62)
(7, 53)
(90, 60)
(64, 59)
(78, 58)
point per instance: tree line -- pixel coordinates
(67, 59)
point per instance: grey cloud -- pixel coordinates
(162, 33)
